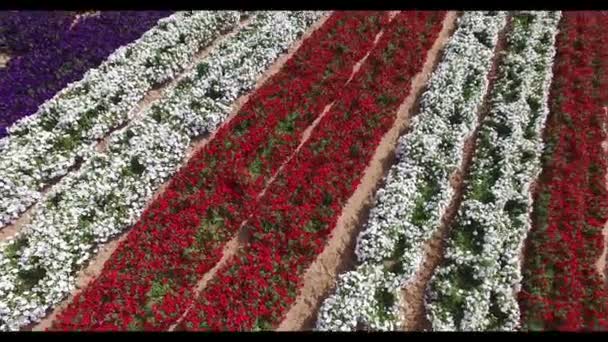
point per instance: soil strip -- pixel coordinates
(601, 262)
(4, 58)
(83, 15)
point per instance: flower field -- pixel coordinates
(303, 170)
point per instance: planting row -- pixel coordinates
(150, 279)
(63, 132)
(295, 217)
(109, 192)
(475, 288)
(48, 65)
(408, 208)
(562, 287)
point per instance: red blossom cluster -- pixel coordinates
(562, 287)
(293, 221)
(149, 280)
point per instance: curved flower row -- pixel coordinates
(109, 192)
(476, 286)
(63, 131)
(48, 65)
(150, 278)
(294, 219)
(409, 206)
(563, 287)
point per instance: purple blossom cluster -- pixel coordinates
(48, 52)
(24, 31)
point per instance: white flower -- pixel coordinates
(109, 192)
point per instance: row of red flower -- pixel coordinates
(149, 280)
(562, 288)
(296, 216)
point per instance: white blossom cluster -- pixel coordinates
(108, 194)
(42, 147)
(409, 206)
(476, 287)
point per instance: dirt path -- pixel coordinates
(144, 104)
(8, 232)
(338, 255)
(412, 307)
(95, 266)
(601, 262)
(83, 15)
(4, 58)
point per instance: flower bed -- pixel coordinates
(408, 208)
(68, 52)
(562, 289)
(475, 288)
(109, 192)
(293, 220)
(64, 130)
(24, 31)
(182, 234)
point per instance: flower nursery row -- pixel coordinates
(46, 61)
(64, 130)
(109, 192)
(127, 124)
(475, 287)
(562, 287)
(408, 208)
(149, 280)
(294, 219)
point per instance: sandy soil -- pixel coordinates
(95, 266)
(11, 230)
(82, 15)
(4, 58)
(25, 218)
(338, 255)
(161, 91)
(413, 307)
(601, 262)
(230, 250)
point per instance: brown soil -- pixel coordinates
(413, 307)
(4, 58)
(11, 230)
(95, 265)
(601, 262)
(82, 15)
(338, 255)
(230, 250)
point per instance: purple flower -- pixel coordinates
(47, 52)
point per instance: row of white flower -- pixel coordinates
(108, 194)
(408, 208)
(45, 145)
(476, 287)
